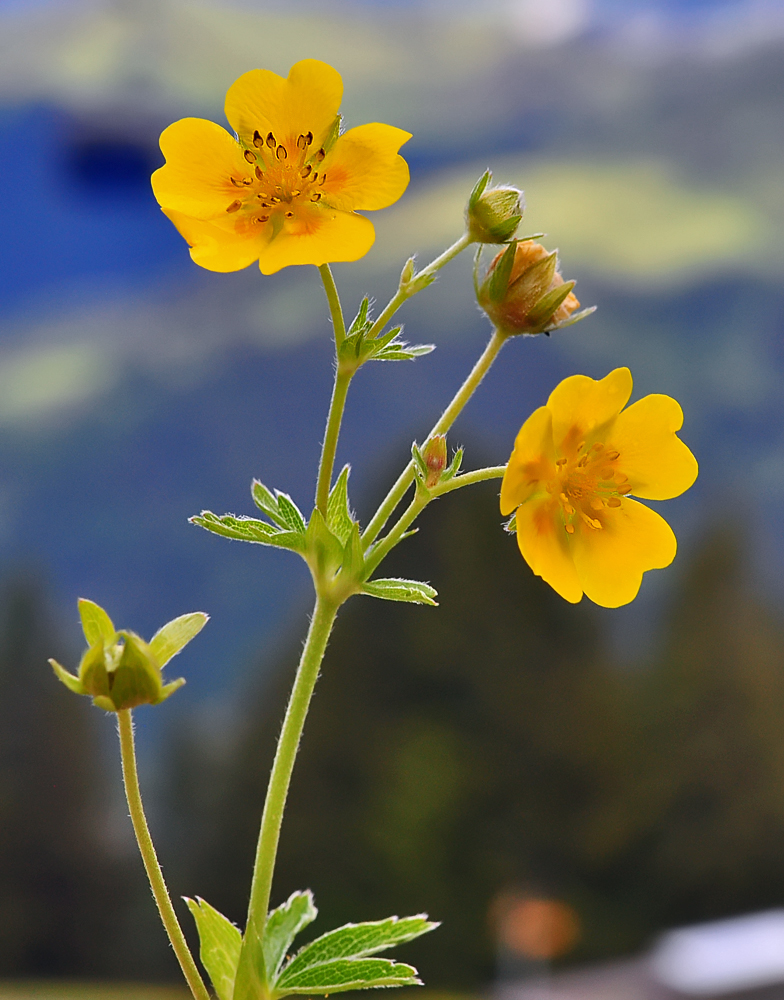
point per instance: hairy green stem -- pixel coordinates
(333, 299)
(307, 673)
(417, 283)
(150, 859)
(330, 444)
(444, 422)
(422, 498)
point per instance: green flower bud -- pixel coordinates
(119, 670)
(493, 213)
(434, 455)
(523, 291)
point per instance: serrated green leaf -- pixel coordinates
(348, 974)
(221, 943)
(359, 941)
(400, 351)
(401, 590)
(385, 338)
(251, 979)
(248, 529)
(96, 624)
(176, 634)
(339, 518)
(290, 513)
(266, 502)
(283, 925)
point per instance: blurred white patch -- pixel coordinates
(549, 23)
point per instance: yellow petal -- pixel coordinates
(306, 101)
(215, 247)
(610, 561)
(532, 460)
(657, 462)
(544, 546)
(581, 404)
(364, 170)
(201, 159)
(324, 235)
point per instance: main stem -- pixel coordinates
(307, 673)
(445, 421)
(150, 859)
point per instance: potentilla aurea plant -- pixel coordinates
(287, 189)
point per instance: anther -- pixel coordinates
(235, 182)
(569, 528)
(289, 215)
(612, 455)
(581, 445)
(262, 218)
(302, 142)
(234, 206)
(620, 478)
(271, 140)
(295, 194)
(560, 461)
(264, 204)
(323, 178)
(624, 490)
(320, 155)
(258, 140)
(316, 196)
(598, 446)
(608, 473)
(259, 173)
(583, 462)
(309, 138)
(614, 502)
(314, 176)
(275, 200)
(305, 171)
(249, 156)
(281, 152)
(597, 504)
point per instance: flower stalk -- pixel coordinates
(150, 858)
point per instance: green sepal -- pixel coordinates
(93, 672)
(283, 925)
(547, 305)
(361, 322)
(454, 466)
(340, 520)
(323, 549)
(96, 624)
(248, 529)
(412, 591)
(419, 461)
(346, 974)
(168, 689)
(354, 941)
(221, 943)
(479, 188)
(576, 317)
(172, 637)
(251, 981)
(499, 279)
(136, 680)
(70, 680)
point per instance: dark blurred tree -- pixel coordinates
(61, 890)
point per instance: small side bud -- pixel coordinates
(434, 456)
(493, 213)
(407, 273)
(119, 670)
(523, 291)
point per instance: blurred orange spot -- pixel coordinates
(535, 928)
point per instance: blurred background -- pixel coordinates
(554, 782)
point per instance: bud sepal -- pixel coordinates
(493, 214)
(119, 670)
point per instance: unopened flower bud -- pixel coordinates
(493, 213)
(523, 291)
(434, 454)
(407, 273)
(120, 670)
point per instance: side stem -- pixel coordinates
(307, 673)
(333, 300)
(150, 859)
(445, 421)
(331, 434)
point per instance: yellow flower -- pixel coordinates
(286, 190)
(575, 463)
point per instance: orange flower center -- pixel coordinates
(587, 482)
(282, 179)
